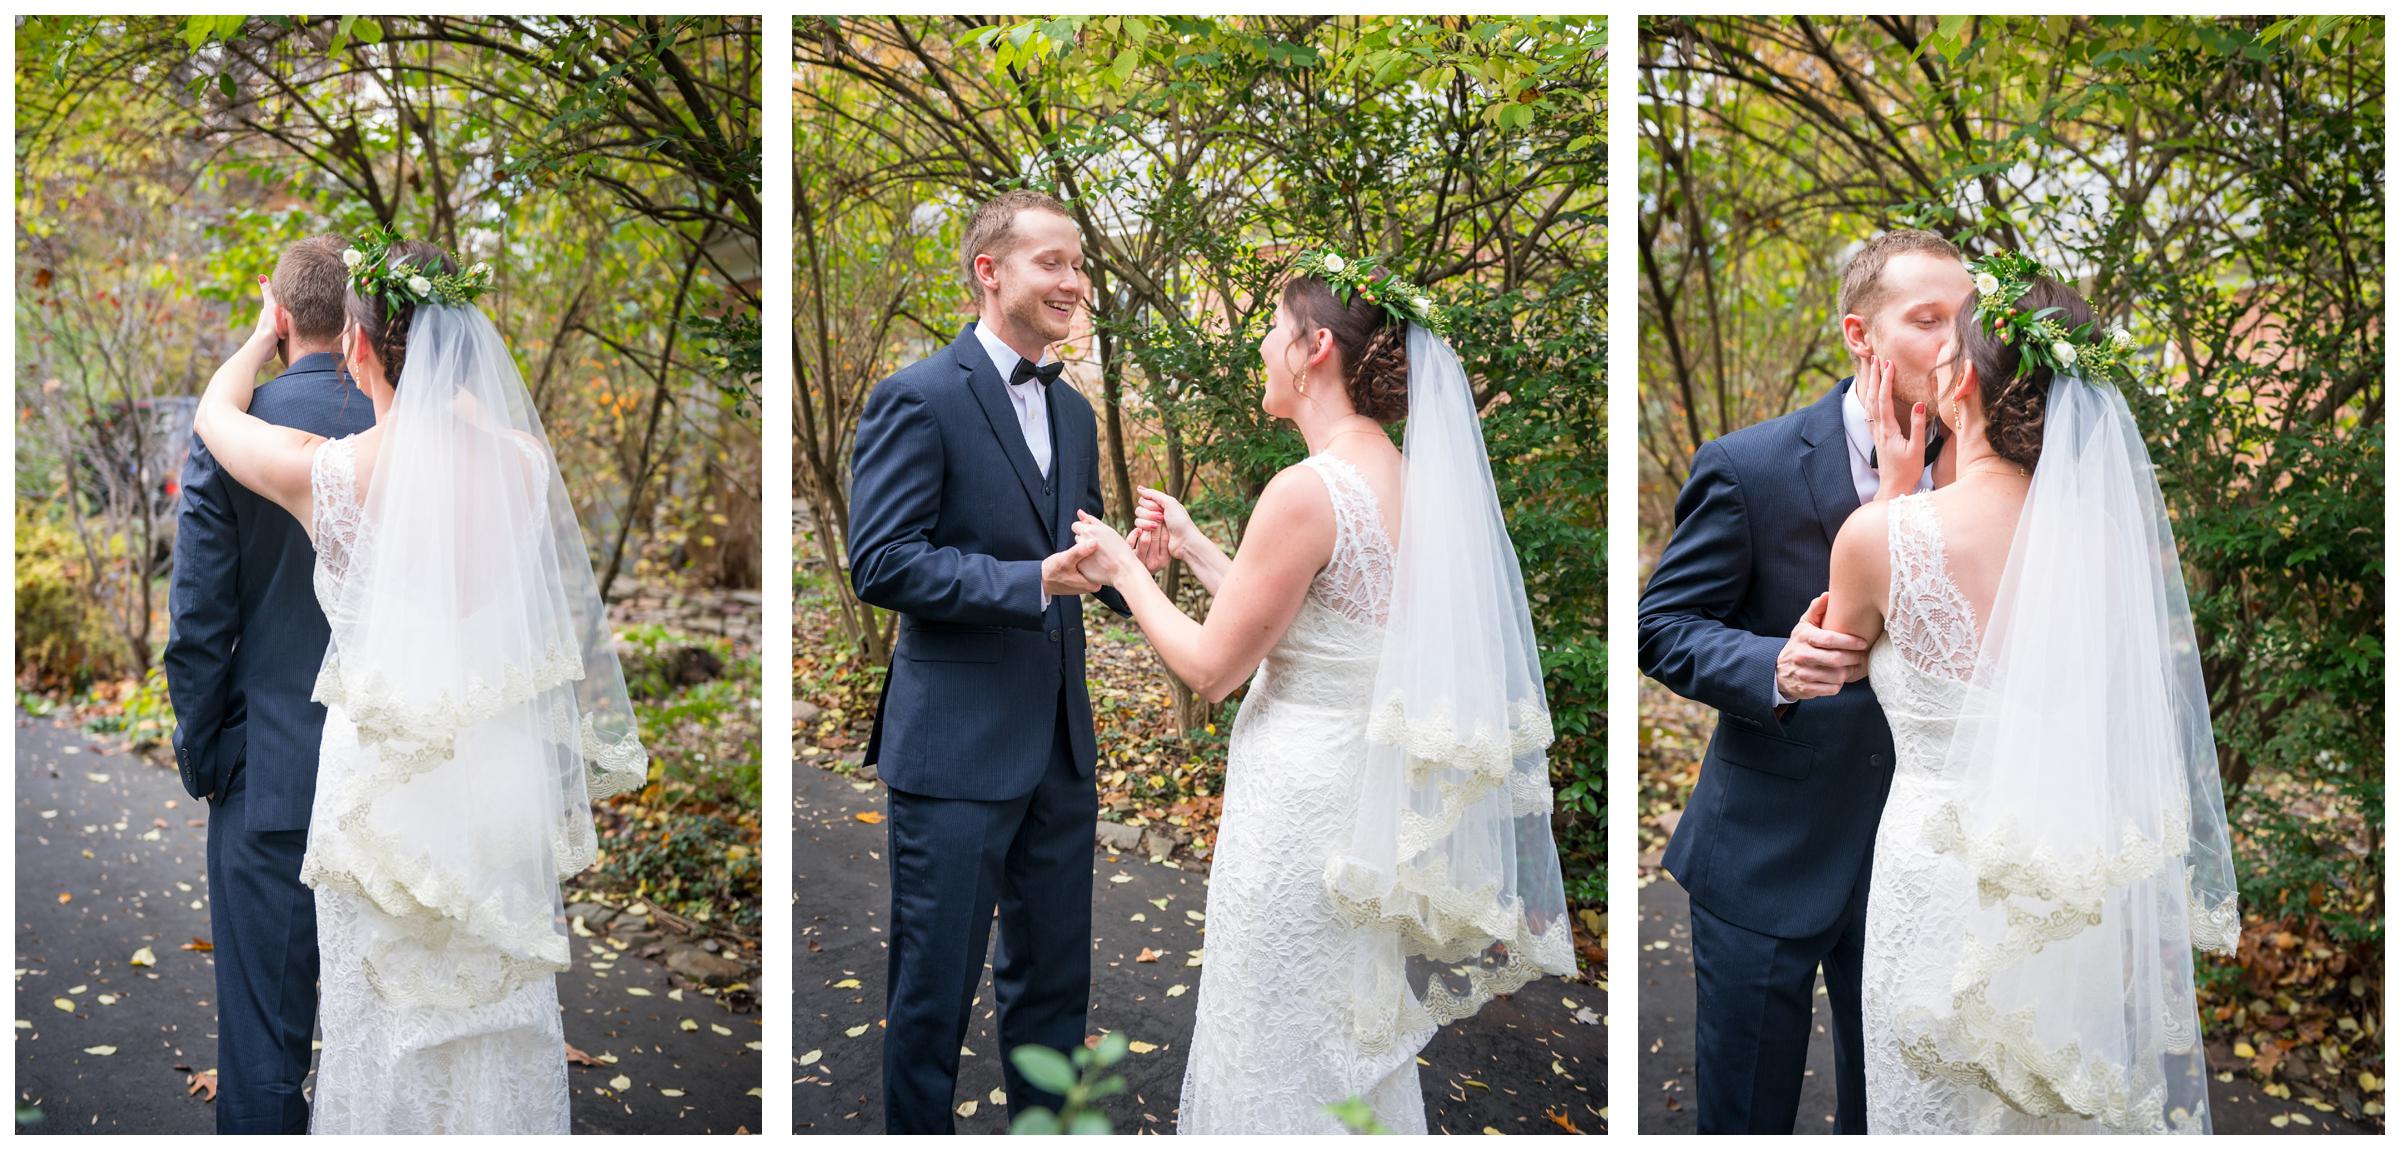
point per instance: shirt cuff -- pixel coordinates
(1780, 700)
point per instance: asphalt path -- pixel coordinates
(1509, 1069)
(112, 861)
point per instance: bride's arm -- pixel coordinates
(270, 460)
(1257, 598)
(1862, 573)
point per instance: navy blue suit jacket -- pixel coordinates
(1781, 827)
(949, 523)
(245, 635)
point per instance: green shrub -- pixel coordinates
(65, 639)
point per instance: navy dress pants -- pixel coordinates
(954, 863)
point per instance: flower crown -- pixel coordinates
(2001, 279)
(397, 283)
(1403, 301)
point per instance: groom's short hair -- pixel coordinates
(992, 230)
(310, 280)
(1862, 281)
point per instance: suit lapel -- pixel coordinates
(1827, 463)
(983, 382)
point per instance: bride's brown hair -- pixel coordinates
(2016, 396)
(1374, 348)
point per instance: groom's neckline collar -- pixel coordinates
(1004, 357)
(314, 361)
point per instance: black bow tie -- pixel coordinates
(1933, 451)
(1048, 371)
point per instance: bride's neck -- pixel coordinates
(1320, 429)
(1974, 456)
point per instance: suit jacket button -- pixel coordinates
(1054, 634)
(1875, 760)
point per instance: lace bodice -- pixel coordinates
(1357, 583)
(337, 517)
(1921, 666)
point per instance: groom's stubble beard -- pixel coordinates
(1032, 315)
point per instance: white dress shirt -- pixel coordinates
(1033, 416)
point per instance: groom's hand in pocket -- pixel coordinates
(1063, 573)
(1816, 662)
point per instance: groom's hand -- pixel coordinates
(1816, 662)
(1062, 574)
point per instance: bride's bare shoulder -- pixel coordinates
(1296, 508)
(1863, 548)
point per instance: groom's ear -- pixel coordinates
(1854, 336)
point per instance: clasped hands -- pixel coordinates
(1102, 557)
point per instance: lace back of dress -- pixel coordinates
(1357, 583)
(337, 512)
(1930, 620)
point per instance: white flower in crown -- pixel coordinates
(1423, 307)
(2065, 353)
(420, 285)
(1986, 283)
(480, 269)
(1334, 263)
(352, 257)
(2121, 337)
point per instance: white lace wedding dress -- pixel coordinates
(1921, 669)
(428, 1027)
(1274, 1044)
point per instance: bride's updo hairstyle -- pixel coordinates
(2014, 400)
(386, 324)
(1374, 347)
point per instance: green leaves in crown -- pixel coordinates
(1403, 301)
(2041, 340)
(398, 283)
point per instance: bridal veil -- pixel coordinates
(2085, 808)
(471, 652)
(1451, 856)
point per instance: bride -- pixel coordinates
(474, 706)
(2054, 846)
(1384, 862)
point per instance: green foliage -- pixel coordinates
(1081, 1078)
(685, 865)
(1356, 1116)
(65, 638)
(144, 715)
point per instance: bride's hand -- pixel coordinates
(1899, 444)
(1162, 514)
(267, 327)
(1115, 560)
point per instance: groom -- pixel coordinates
(969, 469)
(246, 638)
(1775, 844)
